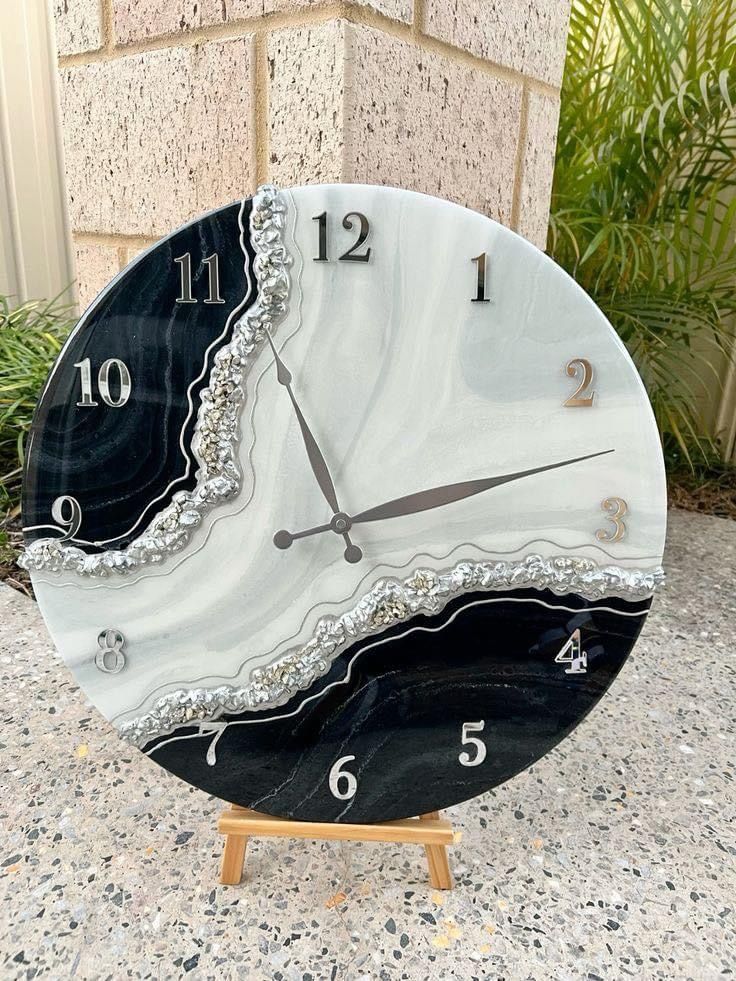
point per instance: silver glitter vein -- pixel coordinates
(390, 601)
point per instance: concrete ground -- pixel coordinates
(614, 857)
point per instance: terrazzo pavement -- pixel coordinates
(614, 857)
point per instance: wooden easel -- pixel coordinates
(238, 824)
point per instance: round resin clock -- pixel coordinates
(344, 503)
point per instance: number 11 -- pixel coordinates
(213, 270)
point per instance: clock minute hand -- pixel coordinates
(436, 497)
(316, 460)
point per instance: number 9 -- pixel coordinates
(73, 522)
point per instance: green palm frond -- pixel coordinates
(644, 196)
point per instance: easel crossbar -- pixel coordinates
(239, 823)
(433, 831)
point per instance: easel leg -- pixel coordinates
(233, 858)
(439, 866)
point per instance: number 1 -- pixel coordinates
(480, 296)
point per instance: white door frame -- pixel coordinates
(35, 241)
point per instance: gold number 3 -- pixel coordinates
(616, 508)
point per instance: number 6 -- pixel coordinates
(337, 774)
(465, 758)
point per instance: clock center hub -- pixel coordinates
(341, 523)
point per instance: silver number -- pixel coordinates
(480, 296)
(110, 657)
(467, 740)
(185, 261)
(337, 774)
(85, 372)
(213, 272)
(213, 269)
(103, 382)
(574, 655)
(73, 522)
(214, 729)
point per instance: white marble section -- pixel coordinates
(406, 385)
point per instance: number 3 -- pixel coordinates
(465, 758)
(616, 508)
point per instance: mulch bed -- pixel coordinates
(716, 496)
(10, 544)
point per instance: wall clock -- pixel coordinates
(344, 503)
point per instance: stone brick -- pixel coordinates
(305, 99)
(152, 140)
(538, 167)
(96, 266)
(419, 120)
(527, 35)
(78, 25)
(136, 20)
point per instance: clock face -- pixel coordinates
(344, 503)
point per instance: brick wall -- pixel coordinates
(172, 108)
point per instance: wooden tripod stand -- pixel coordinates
(238, 824)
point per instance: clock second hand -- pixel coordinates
(425, 500)
(318, 464)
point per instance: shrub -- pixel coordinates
(643, 202)
(31, 336)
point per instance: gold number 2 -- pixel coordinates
(616, 508)
(581, 396)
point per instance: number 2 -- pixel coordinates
(467, 740)
(578, 399)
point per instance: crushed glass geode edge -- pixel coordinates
(216, 436)
(389, 602)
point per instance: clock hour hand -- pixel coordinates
(316, 459)
(437, 497)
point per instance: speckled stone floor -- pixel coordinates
(614, 857)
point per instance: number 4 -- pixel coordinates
(573, 654)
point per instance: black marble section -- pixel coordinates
(123, 464)
(400, 708)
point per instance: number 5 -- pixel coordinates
(465, 758)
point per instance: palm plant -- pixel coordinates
(31, 335)
(644, 195)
